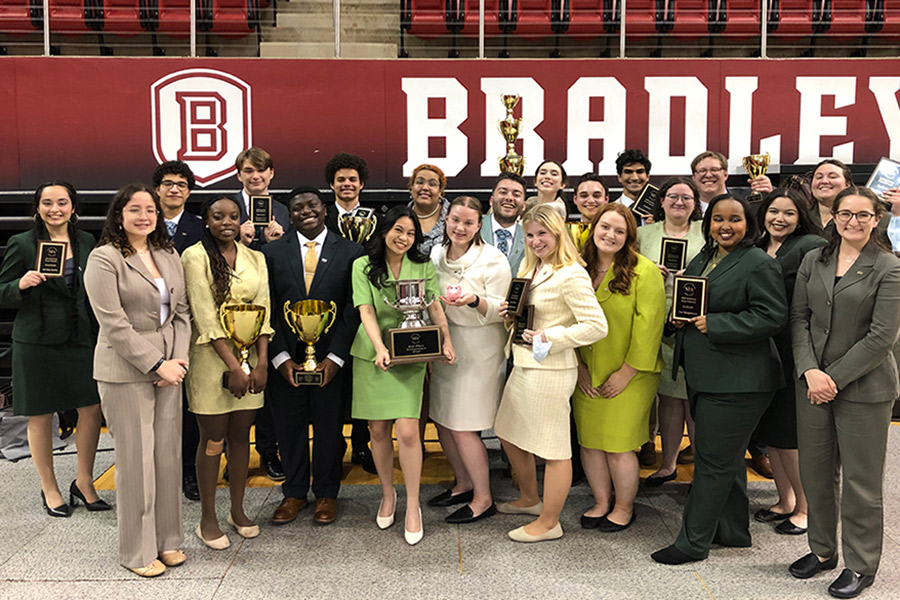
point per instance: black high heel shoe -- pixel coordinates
(74, 493)
(63, 510)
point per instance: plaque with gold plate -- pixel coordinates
(243, 324)
(260, 210)
(413, 340)
(51, 258)
(689, 298)
(517, 295)
(523, 321)
(673, 254)
(310, 320)
(646, 202)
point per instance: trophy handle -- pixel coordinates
(287, 317)
(341, 228)
(333, 317)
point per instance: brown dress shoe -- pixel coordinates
(760, 463)
(326, 511)
(647, 454)
(288, 509)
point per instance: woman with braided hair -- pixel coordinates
(220, 271)
(53, 335)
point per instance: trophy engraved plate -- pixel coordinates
(413, 340)
(523, 321)
(689, 298)
(260, 210)
(517, 295)
(510, 127)
(359, 226)
(242, 323)
(673, 254)
(646, 202)
(756, 165)
(310, 320)
(364, 212)
(51, 258)
(576, 231)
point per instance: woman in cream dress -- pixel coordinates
(474, 277)
(534, 412)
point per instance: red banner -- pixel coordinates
(103, 122)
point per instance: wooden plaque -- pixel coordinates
(646, 202)
(415, 344)
(523, 321)
(517, 295)
(690, 297)
(51, 258)
(673, 255)
(261, 210)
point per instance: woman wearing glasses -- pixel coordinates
(844, 323)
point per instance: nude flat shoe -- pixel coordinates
(508, 508)
(152, 570)
(248, 532)
(219, 543)
(172, 558)
(520, 535)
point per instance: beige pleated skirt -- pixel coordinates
(534, 411)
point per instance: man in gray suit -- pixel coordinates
(501, 228)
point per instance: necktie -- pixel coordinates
(171, 226)
(503, 237)
(310, 264)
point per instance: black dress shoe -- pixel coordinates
(850, 584)
(272, 464)
(74, 493)
(788, 528)
(607, 526)
(64, 510)
(653, 482)
(590, 522)
(364, 458)
(809, 565)
(464, 514)
(447, 498)
(672, 556)
(764, 515)
(189, 486)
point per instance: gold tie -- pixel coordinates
(310, 264)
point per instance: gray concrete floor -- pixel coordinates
(44, 558)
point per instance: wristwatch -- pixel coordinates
(475, 302)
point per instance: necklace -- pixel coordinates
(429, 215)
(716, 260)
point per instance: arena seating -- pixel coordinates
(21, 16)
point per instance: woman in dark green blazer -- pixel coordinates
(844, 323)
(53, 343)
(732, 371)
(787, 236)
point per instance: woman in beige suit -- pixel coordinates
(844, 324)
(534, 412)
(135, 283)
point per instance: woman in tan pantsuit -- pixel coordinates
(533, 418)
(135, 283)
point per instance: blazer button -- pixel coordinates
(826, 332)
(828, 302)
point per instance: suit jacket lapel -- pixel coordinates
(859, 270)
(543, 274)
(134, 261)
(730, 260)
(294, 255)
(326, 257)
(165, 265)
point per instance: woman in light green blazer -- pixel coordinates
(844, 323)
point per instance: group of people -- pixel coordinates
(794, 350)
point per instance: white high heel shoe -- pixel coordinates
(385, 522)
(414, 537)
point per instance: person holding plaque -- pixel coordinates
(384, 393)
(787, 237)
(219, 271)
(533, 419)
(618, 375)
(844, 324)
(672, 241)
(633, 172)
(475, 278)
(550, 180)
(53, 340)
(426, 187)
(135, 283)
(731, 373)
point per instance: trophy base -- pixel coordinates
(309, 377)
(416, 344)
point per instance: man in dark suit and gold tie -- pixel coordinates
(310, 263)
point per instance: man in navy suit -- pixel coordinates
(174, 181)
(295, 406)
(255, 172)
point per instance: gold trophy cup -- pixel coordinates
(310, 320)
(357, 229)
(242, 323)
(756, 165)
(510, 127)
(576, 230)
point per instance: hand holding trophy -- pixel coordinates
(310, 320)
(756, 165)
(242, 323)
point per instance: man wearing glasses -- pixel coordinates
(709, 171)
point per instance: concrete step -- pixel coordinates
(280, 34)
(366, 50)
(301, 21)
(296, 50)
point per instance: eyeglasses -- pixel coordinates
(862, 217)
(684, 199)
(713, 170)
(167, 184)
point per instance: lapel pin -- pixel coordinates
(859, 272)
(324, 260)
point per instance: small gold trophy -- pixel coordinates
(242, 323)
(357, 228)
(510, 128)
(756, 165)
(576, 230)
(310, 320)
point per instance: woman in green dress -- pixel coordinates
(389, 394)
(53, 343)
(618, 376)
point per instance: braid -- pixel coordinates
(221, 271)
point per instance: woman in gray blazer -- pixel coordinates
(135, 283)
(844, 323)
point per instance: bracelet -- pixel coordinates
(475, 302)
(158, 364)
